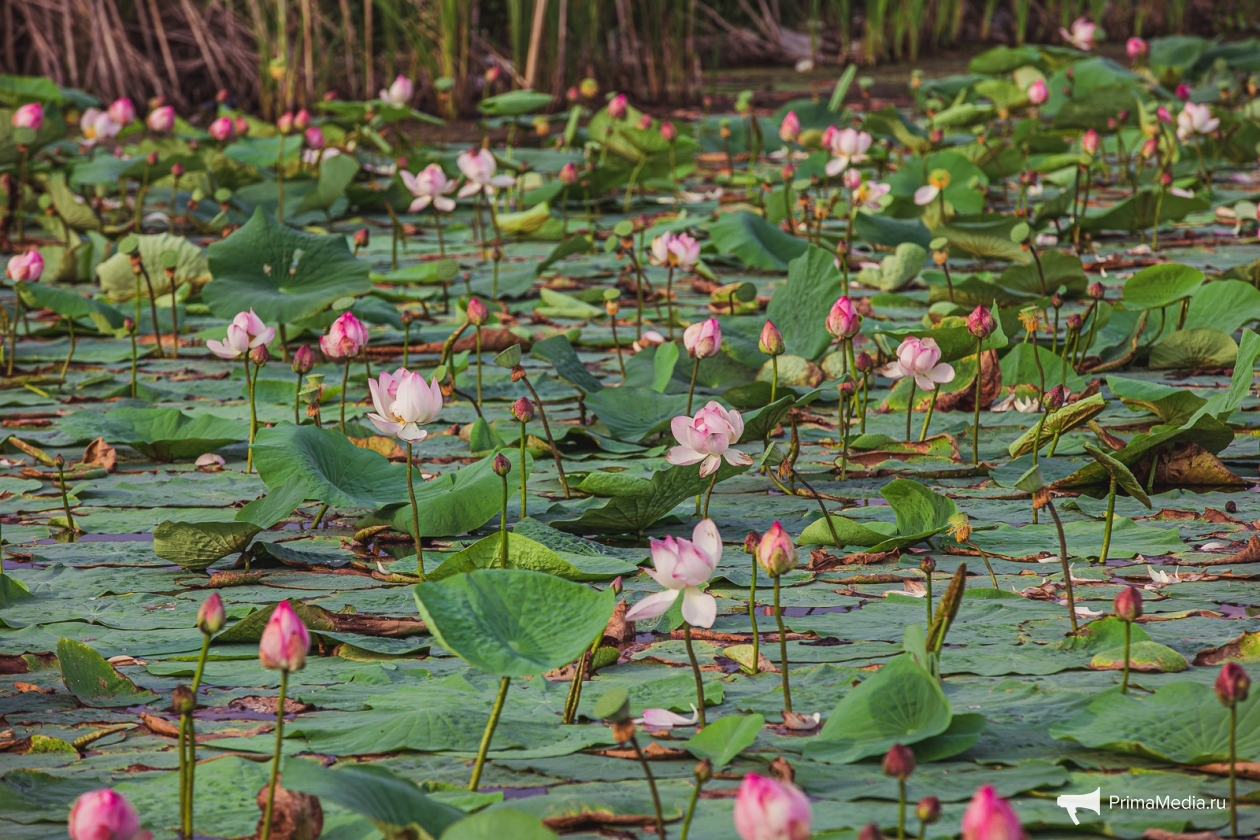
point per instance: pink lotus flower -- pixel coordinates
(161, 119)
(767, 809)
(990, 817)
(404, 402)
(1081, 35)
(1195, 119)
(669, 132)
(431, 186)
(920, 358)
(25, 267)
(707, 438)
(346, 337)
(399, 93)
(704, 339)
(122, 111)
(852, 178)
(104, 815)
(1038, 93)
(680, 251)
(479, 166)
(30, 115)
(1136, 48)
(938, 180)
(98, 126)
(246, 332)
(682, 566)
(843, 321)
(222, 129)
(868, 193)
(314, 137)
(285, 641)
(665, 719)
(828, 136)
(790, 128)
(211, 615)
(848, 146)
(617, 106)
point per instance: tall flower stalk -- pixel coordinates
(980, 324)
(210, 619)
(283, 648)
(244, 334)
(701, 340)
(1232, 687)
(776, 554)
(1128, 607)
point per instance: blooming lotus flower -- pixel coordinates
(938, 180)
(479, 166)
(704, 339)
(346, 337)
(843, 321)
(1038, 92)
(404, 402)
(104, 815)
(98, 126)
(767, 809)
(682, 566)
(617, 106)
(25, 267)
(161, 119)
(680, 251)
(790, 128)
(848, 146)
(246, 332)
(1081, 35)
(1195, 119)
(708, 437)
(399, 93)
(222, 129)
(30, 115)
(1136, 48)
(122, 111)
(430, 186)
(990, 817)
(920, 358)
(868, 194)
(665, 719)
(650, 338)
(285, 641)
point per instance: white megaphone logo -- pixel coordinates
(1088, 801)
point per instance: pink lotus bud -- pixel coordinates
(1056, 397)
(523, 410)
(572, 94)
(790, 128)
(1149, 147)
(260, 355)
(221, 96)
(346, 337)
(1183, 92)
(898, 762)
(569, 174)
(1089, 142)
(990, 817)
(303, 360)
(771, 342)
(1163, 115)
(617, 106)
(104, 815)
(314, 138)
(766, 809)
(704, 339)
(285, 123)
(177, 169)
(122, 111)
(161, 119)
(645, 122)
(501, 465)
(776, 553)
(981, 323)
(26, 267)
(1232, 684)
(30, 115)
(493, 73)
(1096, 290)
(477, 312)
(1128, 603)
(151, 158)
(302, 120)
(1136, 48)
(852, 178)
(285, 641)
(669, 132)
(1038, 93)
(617, 585)
(1165, 179)
(211, 616)
(362, 237)
(221, 129)
(241, 125)
(928, 810)
(843, 321)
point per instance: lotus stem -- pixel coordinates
(551, 441)
(157, 328)
(691, 389)
(524, 477)
(669, 303)
(927, 420)
(253, 414)
(695, 670)
(1063, 557)
(280, 183)
(1041, 424)
(901, 809)
(783, 654)
(188, 744)
(927, 584)
(621, 362)
(345, 381)
(1111, 509)
(275, 760)
(65, 497)
(691, 805)
(709, 493)
(415, 514)
(774, 379)
(752, 617)
(651, 780)
(975, 428)
(297, 399)
(1233, 770)
(910, 410)
(503, 532)
(1124, 682)
(486, 737)
(478, 340)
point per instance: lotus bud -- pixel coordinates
(477, 312)
(1128, 604)
(846, 388)
(1074, 322)
(361, 238)
(617, 585)
(285, 640)
(1090, 141)
(260, 355)
(1149, 147)
(751, 541)
(898, 762)
(302, 120)
(1163, 114)
(314, 138)
(104, 815)
(771, 342)
(129, 325)
(936, 136)
(790, 128)
(1232, 685)
(1038, 93)
(870, 831)
(501, 465)
(1165, 180)
(928, 810)
(704, 339)
(766, 809)
(221, 96)
(30, 115)
(645, 122)
(182, 700)
(303, 360)
(617, 107)
(863, 362)
(151, 159)
(669, 132)
(927, 565)
(843, 321)
(523, 410)
(1056, 397)
(211, 615)
(776, 552)
(981, 323)
(990, 817)
(1097, 290)
(572, 95)
(161, 119)
(284, 124)
(788, 172)
(177, 169)
(221, 129)
(569, 174)
(1183, 92)
(1135, 48)
(493, 73)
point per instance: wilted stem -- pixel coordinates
(1111, 509)
(275, 761)
(415, 513)
(783, 655)
(486, 737)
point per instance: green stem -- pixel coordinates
(280, 183)
(503, 532)
(1063, 557)
(927, 583)
(415, 513)
(752, 617)
(1124, 682)
(901, 809)
(783, 655)
(275, 761)
(651, 780)
(486, 737)
(927, 420)
(774, 377)
(669, 300)
(345, 381)
(709, 493)
(975, 429)
(691, 809)
(65, 498)
(253, 414)
(183, 778)
(524, 476)
(297, 399)
(479, 365)
(555, 451)
(695, 670)
(65, 366)
(691, 389)
(1111, 509)
(1233, 761)
(910, 409)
